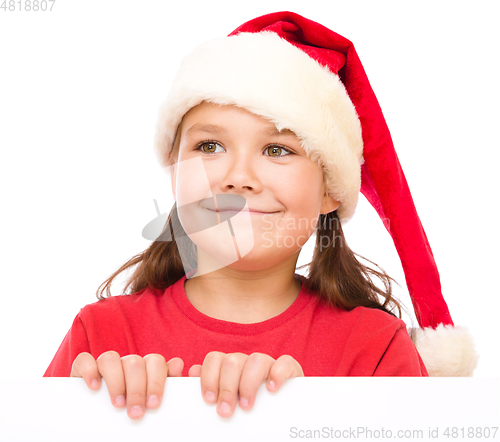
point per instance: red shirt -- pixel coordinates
(326, 341)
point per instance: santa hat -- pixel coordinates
(308, 79)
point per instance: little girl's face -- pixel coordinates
(244, 161)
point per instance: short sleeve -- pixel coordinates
(401, 358)
(74, 343)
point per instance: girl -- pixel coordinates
(269, 135)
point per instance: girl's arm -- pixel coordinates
(401, 358)
(74, 343)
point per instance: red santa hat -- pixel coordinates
(308, 79)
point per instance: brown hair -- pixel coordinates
(340, 278)
(335, 273)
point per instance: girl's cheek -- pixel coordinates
(192, 181)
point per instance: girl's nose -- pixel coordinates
(242, 174)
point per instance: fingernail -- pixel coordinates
(224, 408)
(94, 384)
(209, 396)
(272, 385)
(243, 402)
(120, 400)
(136, 411)
(153, 401)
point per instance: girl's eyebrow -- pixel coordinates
(206, 128)
(216, 129)
(274, 132)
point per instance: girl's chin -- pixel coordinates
(259, 258)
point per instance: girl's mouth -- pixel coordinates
(236, 211)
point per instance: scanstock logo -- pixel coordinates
(219, 224)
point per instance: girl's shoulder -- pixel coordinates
(360, 313)
(358, 318)
(374, 325)
(133, 301)
(375, 316)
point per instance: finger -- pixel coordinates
(110, 367)
(209, 376)
(229, 381)
(156, 375)
(284, 368)
(195, 371)
(255, 371)
(134, 368)
(84, 366)
(175, 367)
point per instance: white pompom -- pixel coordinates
(447, 350)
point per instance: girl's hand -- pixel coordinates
(132, 380)
(224, 377)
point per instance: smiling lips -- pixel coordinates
(233, 203)
(232, 209)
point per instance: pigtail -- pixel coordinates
(160, 265)
(340, 278)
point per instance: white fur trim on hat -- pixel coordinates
(268, 76)
(447, 350)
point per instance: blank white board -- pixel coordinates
(64, 409)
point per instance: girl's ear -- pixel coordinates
(173, 169)
(328, 205)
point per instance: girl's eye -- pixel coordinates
(275, 150)
(209, 146)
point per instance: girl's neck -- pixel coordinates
(245, 297)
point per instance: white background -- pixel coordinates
(80, 88)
